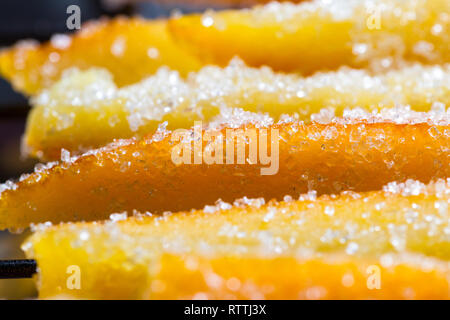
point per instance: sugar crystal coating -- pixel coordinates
(124, 46)
(142, 174)
(85, 110)
(321, 34)
(402, 233)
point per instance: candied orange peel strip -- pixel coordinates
(86, 110)
(287, 36)
(154, 174)
(320, 35)
(222, 2)
(130, 49)
(10, 249)
(326, 247)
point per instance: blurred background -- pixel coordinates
(39, 20)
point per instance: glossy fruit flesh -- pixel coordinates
(130, 49)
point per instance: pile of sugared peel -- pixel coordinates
(357, 208)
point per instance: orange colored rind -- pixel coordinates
(153, 174)
(86, 110)
(390, 244)
(130, 49)
(320, 35)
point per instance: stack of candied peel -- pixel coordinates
(349, 201)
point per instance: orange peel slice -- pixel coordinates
(326, 247)
(169, 172)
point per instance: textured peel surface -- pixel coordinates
(320, 35)
(310, 248)
(86, 109)
(176, 172)
(130, 49)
